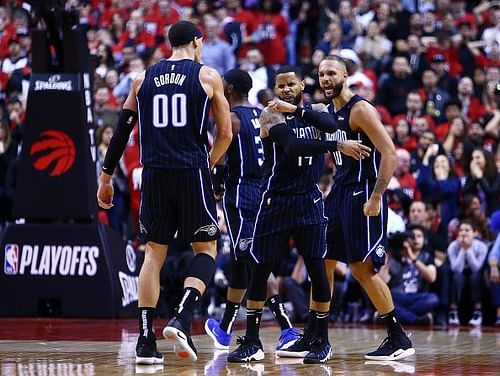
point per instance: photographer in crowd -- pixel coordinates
(409, 272)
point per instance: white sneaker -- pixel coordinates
(453, 318)
(477, 318)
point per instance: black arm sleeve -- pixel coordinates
(118, 143)
(324, 121)
(284, 136)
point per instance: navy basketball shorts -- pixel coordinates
(177, 204)
(352, 236)
(301, 216)
(240, 204)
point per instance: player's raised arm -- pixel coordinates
(117, 145)
(212, 83)
(365, 117)
(318, 116)
(273, 123)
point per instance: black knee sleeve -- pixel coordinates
(239, 273)
(202, 267)
(257, 291)
(319, 282)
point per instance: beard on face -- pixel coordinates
(297, 99)
(336, 90)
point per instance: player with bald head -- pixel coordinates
(356, 206)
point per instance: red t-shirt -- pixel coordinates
(273, 30)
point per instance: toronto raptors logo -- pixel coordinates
(56, 149)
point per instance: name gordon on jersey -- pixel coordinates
(169, 79)
(62, 260)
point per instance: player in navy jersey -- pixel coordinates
(291, 205)
(241, 192)
(356, 206)
(171, 99)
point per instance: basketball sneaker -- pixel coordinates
(221, 339)
(183, 345)
(146, 353)
(287, 338)
(248, 350)
(393, 347)
(299, 349)
(477, 318)
(321, 351)
(453, 318)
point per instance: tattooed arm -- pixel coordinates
(365, 117)
(273, 125)
(268, 119)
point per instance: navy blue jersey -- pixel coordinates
(349, 170)
(173, 116)
(287, 174)
(245, 155)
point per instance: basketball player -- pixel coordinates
(241, 192)
(172, 99)
(291, 205)
(356, 206)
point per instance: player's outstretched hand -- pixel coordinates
(281, 106)
(105, 192)
(354, 149)
(371, 208)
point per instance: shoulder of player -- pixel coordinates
(363, 112)
(209, 74)
(138, 81)
(268, 119)
(320, 107)
(235, 118)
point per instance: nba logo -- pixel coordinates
(11, 262)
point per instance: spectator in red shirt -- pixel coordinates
(472, 108)
(404, 138)
(136, 35)
(404, 176)
(247, 21)
(414, 109)
(452, 110)
(271, 31)
(107, 18)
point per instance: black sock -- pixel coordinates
(146, 322)
(229, 317)
(310, 330)
(253, 323)
(393, 325)
(278, 309)
(186, 307)
(322, 324)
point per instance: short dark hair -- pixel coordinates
(182, 33)
(336, 58)
(241, 81)
(290, 69)
(416, 226)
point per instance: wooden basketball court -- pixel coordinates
(68, 347)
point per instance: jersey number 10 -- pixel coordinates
(169, 110)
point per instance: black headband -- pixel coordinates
(183, 32)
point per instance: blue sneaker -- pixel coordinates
(221, 339)
(287, 338)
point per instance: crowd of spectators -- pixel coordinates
(432, 69)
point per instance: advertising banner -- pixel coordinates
(67, 271)
(56, 176)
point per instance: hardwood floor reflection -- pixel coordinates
(462, 351)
